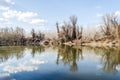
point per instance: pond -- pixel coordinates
(59, 63)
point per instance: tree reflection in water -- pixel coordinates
(69, 55)
(110, 58)
(17, 52)
(10, 52)
(37, 50)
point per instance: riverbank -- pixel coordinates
(111, 44)
(93, 43)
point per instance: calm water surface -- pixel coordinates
(59, 63)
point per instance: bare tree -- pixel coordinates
(73, 20)
(69, 31)
(110, 27)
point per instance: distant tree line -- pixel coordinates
(108, 31)
(10, 37)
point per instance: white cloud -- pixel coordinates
(37, 21)
(4, 8)
(117, 13)
(5, 21)
(7, 2)
(28, 17)
(10, 14)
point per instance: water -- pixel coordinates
(59, 63)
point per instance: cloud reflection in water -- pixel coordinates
(5, 76)
(30, 65)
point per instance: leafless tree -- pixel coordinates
(111, 27)
(69, 31)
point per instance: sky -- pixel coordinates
(42, 15)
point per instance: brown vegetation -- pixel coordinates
(69, 31)
(108, 31)
(36, 38)
(111, 27)
(10, 37)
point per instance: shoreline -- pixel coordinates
(94, 44)
(100, 44)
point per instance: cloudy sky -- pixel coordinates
(43, 14)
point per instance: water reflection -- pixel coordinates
(19, 59)
(18, 52)
(29, 65)
(10, 52)
(109, 58)
(69, 55)
(37, 50)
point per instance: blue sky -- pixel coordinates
(43, 14)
